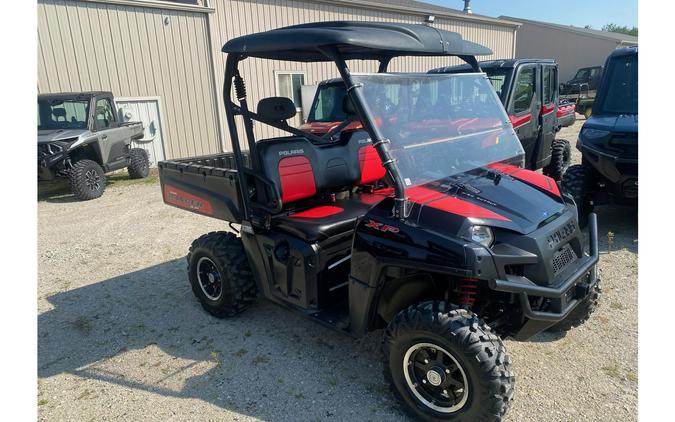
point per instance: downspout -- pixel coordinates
(515, 36)
(214, 80)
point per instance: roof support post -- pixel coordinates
(384, 64)
(381, 144)
(231, 69)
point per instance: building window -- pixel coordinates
(197, 2)
(288, 85)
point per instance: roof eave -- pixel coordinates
(574, 30)
(424, 12)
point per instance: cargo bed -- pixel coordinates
(207, 185)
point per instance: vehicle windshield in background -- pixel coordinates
(327, 106)
(621, 92)
(582, 74)
(62, 114)
(440, 125)
(500, 79)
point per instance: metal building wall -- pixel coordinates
(570, 49)
(132, 52)
(239, 17)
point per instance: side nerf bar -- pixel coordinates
(524, 290)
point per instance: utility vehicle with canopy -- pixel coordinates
(418, 222)
(608, 141)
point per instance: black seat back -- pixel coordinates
(302, 169)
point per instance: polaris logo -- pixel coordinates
(365, 141)
(291, 152)
(560, 235)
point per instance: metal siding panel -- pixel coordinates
(128, 50)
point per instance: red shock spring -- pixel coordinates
(467, 290)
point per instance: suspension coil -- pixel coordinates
(467, 290)
(239, 86)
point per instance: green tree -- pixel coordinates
(612, 27)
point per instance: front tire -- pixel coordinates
(220, 275)
(578, 181)
(561, 155)
(139, 164)
(444, 363)
(87, 180)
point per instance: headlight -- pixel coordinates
(482, 235)
(592, 134)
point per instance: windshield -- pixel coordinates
(62, 114)
(500, 79)
(327, 105)
(582, 74)
(621, 86)
(440, 125)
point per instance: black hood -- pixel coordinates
(503, 196)
(625, 123)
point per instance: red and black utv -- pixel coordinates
(418, 222)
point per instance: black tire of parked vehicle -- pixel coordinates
(87, 180)
(577, 181)
(139, 165)
(581, 313)
(465, 340)
(561, 155)
(220, 274)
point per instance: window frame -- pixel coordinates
(113, 123)
(277, 73)
(552, 73)
(534, 92)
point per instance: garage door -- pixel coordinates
(146, 110)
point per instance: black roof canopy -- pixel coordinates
(353, 40)
(492, 64)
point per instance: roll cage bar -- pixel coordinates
(338, 54)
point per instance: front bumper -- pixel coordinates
(48, 166)
(621, 172)
(563, 298)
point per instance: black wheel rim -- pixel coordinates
(435, 377)
(209, 278)
(93, 180)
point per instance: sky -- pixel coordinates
(567, 12)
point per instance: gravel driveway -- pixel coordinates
(121, 336)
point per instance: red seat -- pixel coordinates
(323, 221)
(306, 173)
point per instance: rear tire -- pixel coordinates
(561, 155)
(87, 180)
(220, 275)
(444, 363)
(578, 180)
(581, 313)
(139, 164)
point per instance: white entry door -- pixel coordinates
(146, 110)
